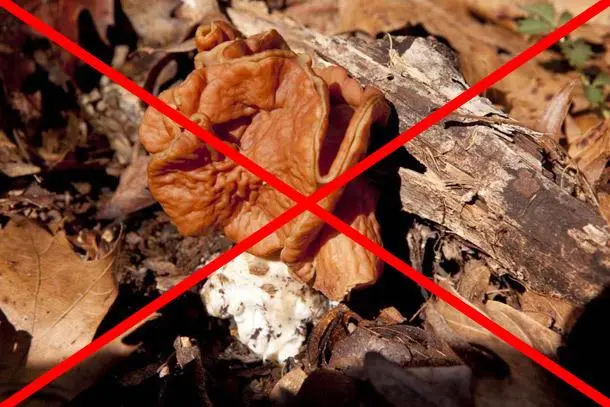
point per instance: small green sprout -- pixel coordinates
(542, 19)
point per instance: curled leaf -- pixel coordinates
(556, 111)
(132, 194)
(522, 382)
(590, 152)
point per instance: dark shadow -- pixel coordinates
(557, 65)
(135, 380)
(393, 288)
(586, 352)
(417, 30)
(14, 345)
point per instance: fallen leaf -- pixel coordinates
(556, 111)
(132, 194)
(481, 47)
(331, 328)
(320, 15)
(526, 383)
(591, 151)
(102, 14)
(59, 300)
(28, 106)
(474, 281)
(390, 315)
(374, 17)
(443, 386)
(168, 22)
(33, 195)
(506, 12)
(64, 15)
(12, 162)
(550, 312)
(57, 144)
(402, 344)
(288, 386)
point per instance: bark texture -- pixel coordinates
(502, 188)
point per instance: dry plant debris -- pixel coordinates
(53, 302)
(73, 175)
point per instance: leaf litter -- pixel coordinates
(84, 244)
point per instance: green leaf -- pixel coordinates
(545, 11)
(577, 52)
(565, 17)
(602, 79)
(534, 27)
(594, 95)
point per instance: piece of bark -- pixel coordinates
(484, 180)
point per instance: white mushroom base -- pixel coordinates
(269, 307)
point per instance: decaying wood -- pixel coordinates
(502, 188)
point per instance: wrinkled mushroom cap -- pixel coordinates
(304, 126)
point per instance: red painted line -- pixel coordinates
(465, 308)
(152, 307)
(304, 203)
(147, 97)
(454, 104)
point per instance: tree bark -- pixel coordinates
(501, 187)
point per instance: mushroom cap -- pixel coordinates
(304, 125)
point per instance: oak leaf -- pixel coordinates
(52, 302)
(591, 151)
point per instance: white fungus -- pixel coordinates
(269, 307)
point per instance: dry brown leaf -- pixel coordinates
(481, 47)
(57, 144)
(402, 344)
(55, 300)
(549, 311)
(64, 15)
(507, 11)
(320, 15)
(374, 17)
(389, 316)
(604, 205)
(168, 22)
(591, 151)
(132, 194)
(102, 14)
(15, 66)
(556, 112)
(474, 281)
(527, 383)
(330, 329)
(446, 386)
(288, 386)
(12, 162)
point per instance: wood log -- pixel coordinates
(502, 188)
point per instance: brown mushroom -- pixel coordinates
(304, 125)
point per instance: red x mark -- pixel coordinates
(306, 203)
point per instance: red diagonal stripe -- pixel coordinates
(155, 305)
(455, 103)
(467, 309)
(305, 203)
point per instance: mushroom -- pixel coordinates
(305, 125)
(270, 311)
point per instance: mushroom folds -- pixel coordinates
(305, 125)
